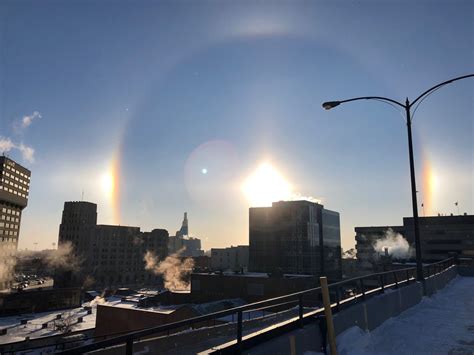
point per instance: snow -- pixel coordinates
(33, 328)
(440, 324)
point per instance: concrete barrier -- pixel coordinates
(438, 281)
(370, 314)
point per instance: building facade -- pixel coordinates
(440, 236)
(295, 237)
(106, 255)
(368, 259)
(14, 191)
(233, 258)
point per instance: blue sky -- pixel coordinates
(171, 87)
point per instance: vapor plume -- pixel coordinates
(396, 244)
(299, 197)
(173, 269)
(7, 267)
(63, 258)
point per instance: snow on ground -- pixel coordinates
(33, 328)
(440, 324)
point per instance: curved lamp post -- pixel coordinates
(407, 107)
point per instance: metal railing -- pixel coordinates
(342, 294)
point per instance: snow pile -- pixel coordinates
(440, 324)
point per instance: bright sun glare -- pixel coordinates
(108, 183)
(265, 186)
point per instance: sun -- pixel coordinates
(265, 186)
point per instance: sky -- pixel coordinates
(154, 108)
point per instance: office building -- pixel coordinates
(368, 259)
(233, 258)
(295, 237)
(14, 191)
(440, 237)
(108, 255)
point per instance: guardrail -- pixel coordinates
(341, 293)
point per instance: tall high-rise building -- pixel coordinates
(106, 255)
(182, 243)
(184, 230)
(295, 237)
(14, 190)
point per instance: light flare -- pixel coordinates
(111, 188)
(430, 186)
(265, 186)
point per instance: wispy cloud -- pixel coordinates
(28, 119)
(27, 152)
(6, 145)
(19, 126)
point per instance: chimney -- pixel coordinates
(386, 251)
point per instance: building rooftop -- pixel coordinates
(249, 274)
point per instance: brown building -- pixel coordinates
(39, 300)
(108, 256)
(250, 287)
(116, 319)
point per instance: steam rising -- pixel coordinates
(396, 244)
(7, 267)
(173, 269)
(63, 258)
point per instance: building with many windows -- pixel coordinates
(232, 258)
(106, 255)
(295, 237)
(440, 237)
(14, 190)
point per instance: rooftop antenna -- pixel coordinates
(457, 205)
(423, 207)
(82, 196)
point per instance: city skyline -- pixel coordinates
(150, 111)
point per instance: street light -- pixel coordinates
(407, 107)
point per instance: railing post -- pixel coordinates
(300, 309)
(396, 279)
(382, 286)
(338, 298)
(239, 331)
(362, 288)
(408, 277)
(129, 347)
(323, 281)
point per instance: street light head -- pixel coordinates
(330, 104)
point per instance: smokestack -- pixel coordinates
(386, 251)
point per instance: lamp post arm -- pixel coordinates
(427, 92)
(374, 98)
